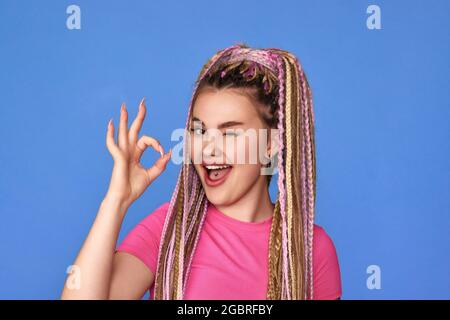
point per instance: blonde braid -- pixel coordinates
(274, 284)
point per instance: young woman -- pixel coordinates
(220, 236)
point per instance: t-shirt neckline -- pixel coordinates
(263, 225)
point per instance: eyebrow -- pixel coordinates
(224, 124)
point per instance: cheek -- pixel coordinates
(195, 150)
(238, 150)
(246, 151)
(246, 173)
(198, 169)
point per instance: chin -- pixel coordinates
(217, 198)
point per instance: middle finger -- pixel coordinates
(137, 123)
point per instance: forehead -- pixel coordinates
(214, 107)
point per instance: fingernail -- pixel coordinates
(161, 151)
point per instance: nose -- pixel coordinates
(212, 145)
(209, 147)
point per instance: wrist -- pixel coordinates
(120, 206)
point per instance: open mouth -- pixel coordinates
(216, 174)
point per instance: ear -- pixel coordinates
(273, 143)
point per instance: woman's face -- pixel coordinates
(226, 131)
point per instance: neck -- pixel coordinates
(254, 206)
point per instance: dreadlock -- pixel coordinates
(275, 80)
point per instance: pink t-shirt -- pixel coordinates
(231, 259)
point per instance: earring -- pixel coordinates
(268, 157)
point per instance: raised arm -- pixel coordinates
(99, 272)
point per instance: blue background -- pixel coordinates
(381, 101)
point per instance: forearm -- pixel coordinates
(95, 259)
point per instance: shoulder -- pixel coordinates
(326, 270)
(322, 242)
(149, 229)
(144, 239)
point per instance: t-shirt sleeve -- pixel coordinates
(326, 271)
(144, 239)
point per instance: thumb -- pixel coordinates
(159, 166)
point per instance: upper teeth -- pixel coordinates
(216, 167)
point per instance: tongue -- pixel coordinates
(218, 173)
